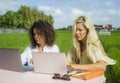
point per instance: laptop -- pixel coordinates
(49, 62)
(10, 59)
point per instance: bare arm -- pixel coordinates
(99, 65)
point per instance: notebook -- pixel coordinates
(49, 62)
(10, 59)
(86, 75)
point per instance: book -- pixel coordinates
(86, 75)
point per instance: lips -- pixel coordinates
(37, 41)
(77, 36)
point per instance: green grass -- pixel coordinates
(111, 45)
(64, 40)
(18, 41)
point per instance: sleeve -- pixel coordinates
(24, 55)
(55, 48)
(69, 58)
(95, 54)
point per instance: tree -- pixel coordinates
(24, 17)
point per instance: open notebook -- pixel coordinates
(49, 62)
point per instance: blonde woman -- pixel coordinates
(87, 52)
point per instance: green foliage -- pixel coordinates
(64, 40)
(23, 18)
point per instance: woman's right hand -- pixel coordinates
(70, 67)
(31, 61)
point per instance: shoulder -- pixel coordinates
(29, 47)
(94, 50)
(93, 47)
(53, 48)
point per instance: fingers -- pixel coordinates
(70, 67)
(31, 61)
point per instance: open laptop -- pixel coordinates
(49, 62)
(10, 59)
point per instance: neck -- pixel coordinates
(41, 46)
(83, 45)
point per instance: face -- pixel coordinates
(38, 38)
(81, 32)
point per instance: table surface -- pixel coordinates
(31, 77)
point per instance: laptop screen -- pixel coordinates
(49, 63)
(10, 59)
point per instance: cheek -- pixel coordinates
(42, 39)
(85, 33)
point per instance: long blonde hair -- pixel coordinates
(91, 39)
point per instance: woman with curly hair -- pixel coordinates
(42, 37)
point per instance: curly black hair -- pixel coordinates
(44, 28)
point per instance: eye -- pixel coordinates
(34, 34)
(79, 30)
(39, 33)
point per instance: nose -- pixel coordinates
(77, 31)
(36, 35)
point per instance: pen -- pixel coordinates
(78, 74)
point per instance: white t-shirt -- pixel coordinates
(26, 56)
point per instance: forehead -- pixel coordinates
(36, 30)
(80, 26)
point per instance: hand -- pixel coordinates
(70, 67)
(31, 61)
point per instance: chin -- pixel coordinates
(78, 39)
(38, 42)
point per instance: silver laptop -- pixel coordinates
(10, 59)
(49, 63)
